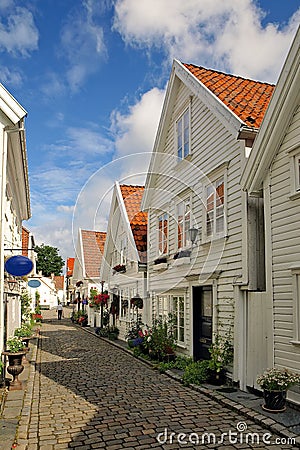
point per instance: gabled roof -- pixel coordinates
(246, 98)
(92, 246)
(59, 282)
(70, 266)
(132, 197)
(282, 106)
(238, 103)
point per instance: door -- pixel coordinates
(202, 321)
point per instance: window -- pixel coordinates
(297, 172)
(215, 210)
(183, 135)
(296, 304)
(163, 234)
(179, 319)
(294, 155)
(162, 307)
(183, 214)
(123, 248)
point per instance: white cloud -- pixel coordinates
(228, 35)
(10, 78)
(18, 33)
(82, 44)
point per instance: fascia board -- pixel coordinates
(81, 259)
(283, 102)
(10, 107)
(125, 218)
(227, 117)
(108, 241)
(159, 139)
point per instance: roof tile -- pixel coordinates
(248, 99)
(93, 248)
(132, 196)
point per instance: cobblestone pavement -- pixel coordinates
(89, 394)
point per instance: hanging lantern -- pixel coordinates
(18, 265)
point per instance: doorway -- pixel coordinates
(202, 321)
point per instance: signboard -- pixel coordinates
(18, 265)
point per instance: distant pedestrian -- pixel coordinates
(59, 311)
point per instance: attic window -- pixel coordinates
(183, 135)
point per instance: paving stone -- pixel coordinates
(89, 394)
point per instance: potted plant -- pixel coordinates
(113, 333)
(275, 383)
(24, 333)
(221, 354)
(15, 353)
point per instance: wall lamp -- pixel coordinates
(193, 233)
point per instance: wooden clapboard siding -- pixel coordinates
(285, 219)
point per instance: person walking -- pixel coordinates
(59, 311)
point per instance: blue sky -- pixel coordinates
(92, 75)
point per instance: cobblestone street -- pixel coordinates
(89, 394)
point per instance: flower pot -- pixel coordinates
(14, 368)
(274, 401)
(112, 336)
(216, 378)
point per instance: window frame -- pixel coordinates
(210, 182)
(162, 239)
(295, 271)
(180, 309)
(294, 155)
(185, 241)
(180, 119)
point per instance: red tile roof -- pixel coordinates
(132, 196)
(25, 241)
(70, 266)
(59, 282)
(248, 99)
(93, 248)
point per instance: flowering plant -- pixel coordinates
(101, 298)
(277, 379)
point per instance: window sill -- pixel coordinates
(159, 267)
(295, 342)
(181, 345)
(181, 261)
(294, 196)
(212, 239)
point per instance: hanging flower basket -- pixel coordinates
(119, 268)
(136, 302)
(101, 299)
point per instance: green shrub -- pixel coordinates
(195, 373)
(15, 345)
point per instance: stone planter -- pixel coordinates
(15, 368)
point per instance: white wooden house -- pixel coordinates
(14, 205)
(272, 175)
(125, 255)
(208, 123)
(86, 270)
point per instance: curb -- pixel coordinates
(23, 426)
(255, 416)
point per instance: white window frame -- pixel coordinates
(177, 298)
(162, 306)
(296, 305)
(294, 155)
(184, 132)
(123, 250)
(211, 183)
(162, 240)
(185, 241)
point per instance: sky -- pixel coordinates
(92, 75)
